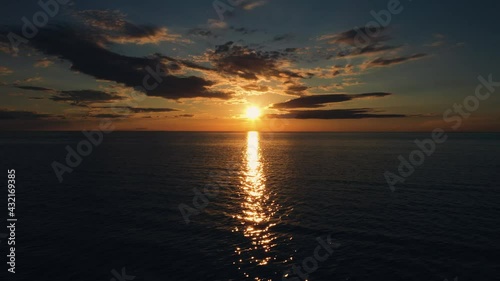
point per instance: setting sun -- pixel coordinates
(253, 113)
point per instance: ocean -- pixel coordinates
(253, 206)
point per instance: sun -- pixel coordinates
(253, 113)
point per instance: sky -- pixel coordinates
(365, 65)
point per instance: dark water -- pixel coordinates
(271, 197)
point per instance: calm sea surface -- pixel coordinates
(257, 205)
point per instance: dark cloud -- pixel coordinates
(296, 90)
(358, 36)
(254, 87)
(366, 50)
(85, 97)
(380, 62)
(184, 116)
(243, 30)
(34, 88)
(356, 113)
(283, 37)
(204, 32)
(81, 48)
(114, 28)
(317, 101)
(186, 63)
(6, 114)
(248, 63)
(108, 115)
(141, 109)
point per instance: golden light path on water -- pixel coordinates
(257, 208)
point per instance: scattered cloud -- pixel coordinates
(89, 57)
(251, 64)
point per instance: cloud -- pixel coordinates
(81, 47)
(107, 115)
(251, 64)
(116, 29)
(243, 30)
(5, 70)
(44, 63)
(34, 88)
(381, 62)
(29, 80)
(356, 113)
(141, 109)
(255, 87)
(283, 37)
(367, 50)
(184, 116)
(85, 97)
(216, 24)
(438, 42)
(6, 114)
(252, 4)
(316, 101)
(296, 90)
(203, 32)
(5, 47)
(357, 36)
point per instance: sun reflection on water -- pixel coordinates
(258, 209)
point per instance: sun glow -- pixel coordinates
(253, 113)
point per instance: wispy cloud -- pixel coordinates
(381, 62)
(357, 113)
(316, 101)
(357, 36)
(7, 114)
(5, 70)
(116, 29)
(44, 63)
